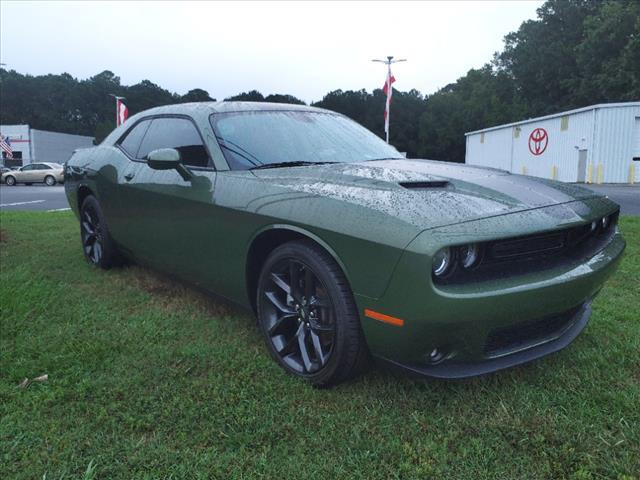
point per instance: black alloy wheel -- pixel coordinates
(97, 245)
(91, 235)
(300, 318)
(307, 315)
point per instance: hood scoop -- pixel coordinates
(426, 185)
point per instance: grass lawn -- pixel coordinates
(151, 379)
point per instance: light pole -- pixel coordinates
(388, 62)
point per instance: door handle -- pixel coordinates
(129, 176)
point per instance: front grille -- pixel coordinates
(514, 256)
(540, 245)
(513, 338)
(528, 246)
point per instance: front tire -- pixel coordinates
(97, 244)
(50, 180)
(308, 316)
(9, 180)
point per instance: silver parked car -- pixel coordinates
(48, 173)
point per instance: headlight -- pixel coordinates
(469, 255)
(442, 261)
(605, 222)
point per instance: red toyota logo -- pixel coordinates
(538, 141)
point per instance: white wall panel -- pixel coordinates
(607, 133)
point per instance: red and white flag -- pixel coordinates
(122, 112)
(388, 91)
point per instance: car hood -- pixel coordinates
(424, 193)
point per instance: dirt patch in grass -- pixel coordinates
(170, 293)
(3, 236)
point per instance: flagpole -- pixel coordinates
(388, 62)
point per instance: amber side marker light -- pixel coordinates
(383, 318)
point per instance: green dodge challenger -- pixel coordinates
(343, 248)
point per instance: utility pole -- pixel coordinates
(388, 83)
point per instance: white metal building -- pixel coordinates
(596, 144)
(30, 145)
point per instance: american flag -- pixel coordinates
(388, 91)
(5, 145)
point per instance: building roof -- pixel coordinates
(560, 114)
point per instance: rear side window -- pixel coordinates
(178, 133)
(131, 142)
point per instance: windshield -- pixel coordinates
(255, 138)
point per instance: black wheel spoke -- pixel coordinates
(317, 347)
(279, 281)
(88, 227)
(97, 248)
(294, 279)
(278, 304)
(302, 344)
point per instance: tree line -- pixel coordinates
(576, 53)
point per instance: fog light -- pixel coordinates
(442, 261)
(436, 355)
(469, 255)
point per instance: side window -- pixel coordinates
(42, 166)
(178, 133)
(27, 168)
(131, 142)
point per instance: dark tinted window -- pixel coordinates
(178, 133)
(131, 141)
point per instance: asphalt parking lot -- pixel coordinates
(627, 196)
(34, 198)
(43, 198)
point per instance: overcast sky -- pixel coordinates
(305, 49)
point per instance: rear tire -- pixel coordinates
(50, 180)
(9, 180)
(308, 316)
(97, 245)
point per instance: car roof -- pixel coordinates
(226, 107)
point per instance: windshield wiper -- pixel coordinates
(287, 164)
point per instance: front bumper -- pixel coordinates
(487, 326)
(554, 342)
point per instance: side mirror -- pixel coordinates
(163, 159)
(168, 159)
